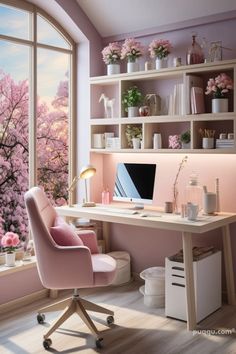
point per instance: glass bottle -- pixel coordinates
(105, 196)
(194, 54)
(194, 191)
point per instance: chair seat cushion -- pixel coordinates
(64, 235)
(104, 269)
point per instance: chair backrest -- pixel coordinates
(41, 217)
(57, 265)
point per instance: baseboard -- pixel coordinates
(23, 301)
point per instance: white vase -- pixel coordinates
(219, 105)
(208, 143)
(113, 69)
(132, 66)
(157, 141)
(133, 112)
(161, 63)
(10, 259)
(136, 143)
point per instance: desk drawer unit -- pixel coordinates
(207, 284)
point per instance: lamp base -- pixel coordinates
(88, 204)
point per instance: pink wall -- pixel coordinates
(17, 285)
(149, 247)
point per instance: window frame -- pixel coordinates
(34, 45)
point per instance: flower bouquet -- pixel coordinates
(131, 50)
(111, 56)
(159, 48)
(218, 87)
(10, 242)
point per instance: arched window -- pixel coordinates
(36, 110)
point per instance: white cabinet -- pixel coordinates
(162, 82)
(207, 284)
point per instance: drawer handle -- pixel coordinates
(178, 268)
(176, 284)
(177, 276)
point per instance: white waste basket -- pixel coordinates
(154, 288)
(123, 267)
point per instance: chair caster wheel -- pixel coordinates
(41, 318)
(98, 343)
(47, 343)
(110, 320)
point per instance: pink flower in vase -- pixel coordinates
(10, 241)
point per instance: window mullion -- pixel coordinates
(33, 106)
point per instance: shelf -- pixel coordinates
(163, 83)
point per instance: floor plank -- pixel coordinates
(137, 329)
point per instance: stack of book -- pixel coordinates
(224, 143)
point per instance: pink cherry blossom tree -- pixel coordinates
(52, 151)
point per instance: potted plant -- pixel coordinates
(10, 242)
(207, 138)
(131, 50)
(134, 135)
(131, 100)
(160, 49)
(111, 56)
(218, 87)
(185, 139)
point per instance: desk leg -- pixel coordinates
(228, 265)
(105, 235)
(188, 268)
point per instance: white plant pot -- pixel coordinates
(113, 69)
(208, 143)
(10, 259)
(219, 105)
(136, 143)
(161, 63)
(133, 112)
(132, 67)
(185, 145)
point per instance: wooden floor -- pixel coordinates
(137, 329)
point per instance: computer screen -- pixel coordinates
(135, 182)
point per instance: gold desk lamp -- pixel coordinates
(85, 173)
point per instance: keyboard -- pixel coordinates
(121, 211)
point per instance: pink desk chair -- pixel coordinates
(75, 265)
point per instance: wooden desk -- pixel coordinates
(175, 223)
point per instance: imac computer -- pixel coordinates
(135, 183)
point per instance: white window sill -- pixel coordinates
(20, 266)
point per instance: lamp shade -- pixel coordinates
(87, 172)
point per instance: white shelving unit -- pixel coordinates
(161, 82)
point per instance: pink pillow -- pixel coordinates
(64, 235)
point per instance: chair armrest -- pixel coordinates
(89, 239)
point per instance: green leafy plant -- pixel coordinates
(132, 98)
(133, 131)
(185, 137)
